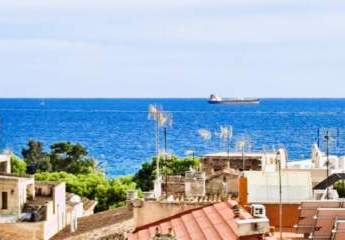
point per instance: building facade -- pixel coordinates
(34, 210)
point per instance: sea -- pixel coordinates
(121, 136)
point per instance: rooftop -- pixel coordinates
(217, 222)
(15, 175)
(321, 219)
(238, 154)
(39, 200)
(228, 171)
(87, 203)
(96, 221)
(48, 183)
(4, 157)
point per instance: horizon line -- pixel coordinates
(142, 98)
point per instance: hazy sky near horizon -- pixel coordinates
(187, 48)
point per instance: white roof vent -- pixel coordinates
(258, 210)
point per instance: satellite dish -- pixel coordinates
(75, 199)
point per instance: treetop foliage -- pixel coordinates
(18, 165)
(63, 156)
(70, 163)
(169, 166)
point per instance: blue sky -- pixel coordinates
(187, 48)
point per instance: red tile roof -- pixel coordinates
(339, 232)
(215, 222)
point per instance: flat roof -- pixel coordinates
(238, 154)
(96, 221)
(4, 157)
(48, 183)
(15, 176)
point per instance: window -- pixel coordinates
(4, 198)
(39, 191)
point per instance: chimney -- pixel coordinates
(75, 200)
(236, 211)
(243, 191)
(227, 164)
(212, 171)
(131, 196)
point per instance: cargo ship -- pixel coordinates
(213, 99)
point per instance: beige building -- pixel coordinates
(35, 210)
(38, 207)
(197, 220)
(193, 184)
(257, 161)
(15, 192)
(223, 182)
(5, 162)
(197, 184)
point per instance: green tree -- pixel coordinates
(171, 166)
(107, 192)
(35, 157)
(340, 187)
(118, 190)
(17, 165)
(144, 177)
(180, 166)
(72, 158)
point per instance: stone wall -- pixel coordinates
(195, 184)
(195, 188)
(216, 185)
(212, 164)
(174, 185)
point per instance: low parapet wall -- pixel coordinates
(22, 231)
(117, 231)
(153, 211)
(29, 230)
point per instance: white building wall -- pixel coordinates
(264, 186)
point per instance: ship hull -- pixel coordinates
(235, 101)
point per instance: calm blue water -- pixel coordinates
(118, 133)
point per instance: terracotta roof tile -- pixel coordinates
(192, 227)
(133, 237)
(207, 226)
(144, 235)
(152, 231)
(180, 229)
(339, 230)
(215, 222)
